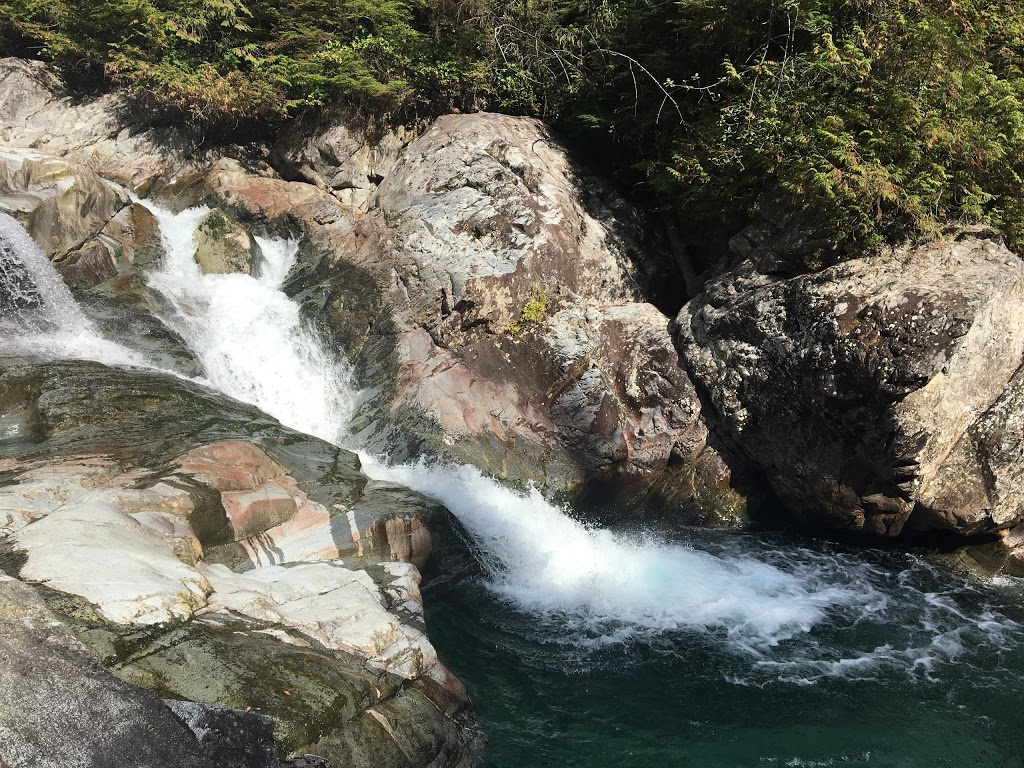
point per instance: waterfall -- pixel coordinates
(248, 335)
(38, 315)
(583, 586)
(255, 347)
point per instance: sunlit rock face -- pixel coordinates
(223, 246)
(195, 560)
(882, 395)
(514, 331)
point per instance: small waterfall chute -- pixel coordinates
(594, 587)
(249, 335)
(39, 317)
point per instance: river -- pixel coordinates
(585, 646)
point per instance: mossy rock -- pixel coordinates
(223, 246)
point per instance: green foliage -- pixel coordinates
(877, 119)
(880, 119)
(532, 313)
(225, 63)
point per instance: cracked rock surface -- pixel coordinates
(881, 395)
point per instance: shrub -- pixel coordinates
(532, 313)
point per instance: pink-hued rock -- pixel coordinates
(511, 329)
(406, 538)
(231, 465)
(254, 511)
(306, 536)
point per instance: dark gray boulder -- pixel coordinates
(879, 395)
(59, 707)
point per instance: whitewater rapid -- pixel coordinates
(593, 586)
(248, 335)
(584, 586)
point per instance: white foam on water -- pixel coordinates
(788, 613)
(608, 587)
(248, 335)
(47, 324)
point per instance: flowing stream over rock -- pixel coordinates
(38, 315)
(255, 347)
(586, 646)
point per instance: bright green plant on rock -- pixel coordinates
(532, 313)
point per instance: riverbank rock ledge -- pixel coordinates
(882, 396)
(163, 542)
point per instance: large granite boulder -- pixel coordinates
(880, 395)
(512, 331)
(492, 302)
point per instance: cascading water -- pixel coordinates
(38, 315)
(248, 335)
(588, 647)
(597, 586)
(254, 347)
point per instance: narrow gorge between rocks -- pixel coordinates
(596, 647)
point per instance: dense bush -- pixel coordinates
(881, 117)
(876, 118)
(226, 64)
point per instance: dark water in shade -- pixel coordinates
(932, 674)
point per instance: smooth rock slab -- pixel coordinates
(254, 511)
(231, 465)
(128, 570)
(340, 608)
(40, 491)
